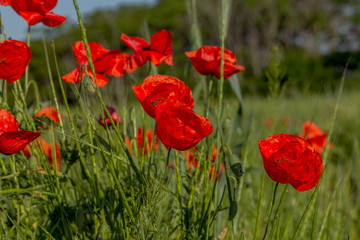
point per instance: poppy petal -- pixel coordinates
(14, 141)
(73, 76)
(178, 127)
(135, 43)
(14, 58)
(50, 113)
(53, 20)
(291, 159)
(80, 54)
(5, 2)
(161, 42)
(7, 122)
(158, 88)
(111, 63)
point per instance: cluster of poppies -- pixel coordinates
(287, 158)
(115, 63)
(35, 11)
(170, 102)
(16, 55)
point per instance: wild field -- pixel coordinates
(142, 153)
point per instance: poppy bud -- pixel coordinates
(232, 210)
(89, 86)
(32, 164)
(105, 232)
(236, 166)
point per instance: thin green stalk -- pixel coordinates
(325, 219)
(27, 68)
(81, 154)
(326, 153)
(277, 212)
(270, 209)
(91, 64)
(259, 207)
(53, 90)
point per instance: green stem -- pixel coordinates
(270, 210)
(259, 207)
(27, 68)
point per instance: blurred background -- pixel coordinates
(310, 41)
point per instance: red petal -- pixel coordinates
(112, 63)
(50, 113)
(178, 127)
(14, 141)
(80, 52)
(291, 159)
(7, 122)
(161, 42)
(157, 88)
(73, 76)
(135, 43)
(53, 20)
(14, 58)
(33, 11)
(135, 61)
(207, 60)
(5, 2)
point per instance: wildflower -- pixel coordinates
(14, 58)
(178, 127)
(207, 60)
(158, 88)
(114, 115)
(315, 136)
(35, 11)
(106, 62)
(50, 113)
(291, 159)
(47, 149)
(139, 139)
(159, 50)
(11, 139)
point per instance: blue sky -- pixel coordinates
(16, 26)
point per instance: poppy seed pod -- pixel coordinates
(236, 166)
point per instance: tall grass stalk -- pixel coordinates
(326, 153)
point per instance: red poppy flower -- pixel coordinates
(158, 88)
(14, 58)
(11, 139)
(139, 140)
(105, 61)
(291, 159)
(178, 127)
(35, 11)
(50, 113)
(316, 137)
(159, 50)
(48, 151)
(206, 60)
(115, 117)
